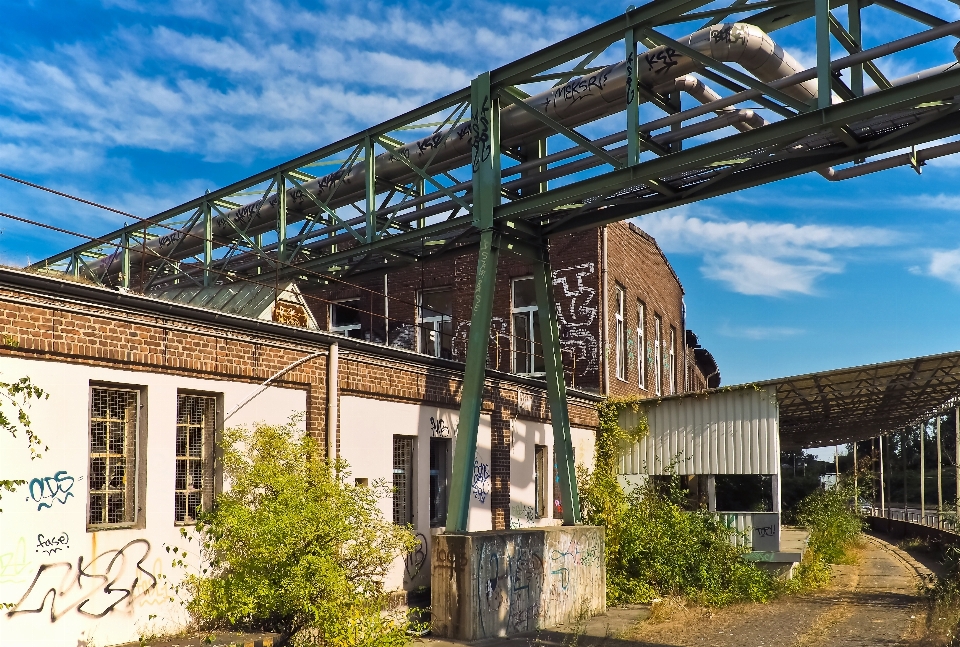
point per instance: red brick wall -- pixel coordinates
(49, 328)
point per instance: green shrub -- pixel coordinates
(654, 547)
(293, 547)
(834, 525)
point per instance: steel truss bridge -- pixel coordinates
(554, 143)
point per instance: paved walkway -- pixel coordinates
(873, 602)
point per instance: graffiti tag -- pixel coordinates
(49, 489)
(52, 545)
(481, 481)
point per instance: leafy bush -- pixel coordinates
(17, 396)
(292, 547)
(654, 547)
(834, 525)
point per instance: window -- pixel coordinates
(436, 323)
(439, 480)
(527, 351)
(620, 336)
(641, 344)
(557, 499)
(196, 441)
(402, 480)
(540, 480)
(345, 318)
(673, 360)
(114, 433)
(657, 354)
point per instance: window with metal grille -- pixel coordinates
(439, 480)
(402, 480)
(196, 440)
(114, 430)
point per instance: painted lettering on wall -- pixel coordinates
(439, 428)
(47, 490)
(522, 516)
(14, 564)
(416, 558)
(481, 481)
(94, 588)
(577, 316)
(52, 544)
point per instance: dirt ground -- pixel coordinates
(871, 603)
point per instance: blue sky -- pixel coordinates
(143, 105)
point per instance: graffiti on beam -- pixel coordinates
(481, 481)
(54, 544)
(93, 588)
(47, 490)
(577, 316)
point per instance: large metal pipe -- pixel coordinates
(579, 101)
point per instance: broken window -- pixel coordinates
(114, 431)
(436, 323)
(527, 350)
(641, 344)
(439, 480)
(196, 441)
(345, 318)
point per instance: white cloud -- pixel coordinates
(760, 258)
(944, 265)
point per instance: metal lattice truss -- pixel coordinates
(841, 406)
(554, 142)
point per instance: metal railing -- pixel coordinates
(941, 520)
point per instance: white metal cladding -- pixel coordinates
(730, 432)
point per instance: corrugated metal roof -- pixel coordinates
(725, 432)
(252, 300)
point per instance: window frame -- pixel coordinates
(540, 480)
(532, 332)
(673, 360)
(437, 322)
(657, 353)
(641, 344)
(139, 435)
(344, 330)
(620, 333)
(438, 503)
(212, 455)
(411, 479)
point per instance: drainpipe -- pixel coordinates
(603, 314)
(333, 399)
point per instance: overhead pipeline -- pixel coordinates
(579, 101)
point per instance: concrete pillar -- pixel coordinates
(712, 492)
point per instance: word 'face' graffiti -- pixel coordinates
(48, 490)
(51, 545)
(481, 481)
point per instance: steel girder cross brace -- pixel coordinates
(485, 112)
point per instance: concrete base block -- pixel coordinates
(503, 582)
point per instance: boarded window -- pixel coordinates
(402, 480)
(196, 440)
(114, 430)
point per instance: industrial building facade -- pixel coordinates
(140, 388)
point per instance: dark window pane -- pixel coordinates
(346, 313)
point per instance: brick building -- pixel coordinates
(620, 306)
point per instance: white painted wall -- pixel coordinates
(66, 617)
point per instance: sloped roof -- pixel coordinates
(244, 299)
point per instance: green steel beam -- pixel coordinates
(556, 390)
(824, 76)
(485, 155)
(207, 243)
(281, 217)
(370, 162)
(856, 36)
(915, 14)
(474, 376)
(633, 100)
(125, 262)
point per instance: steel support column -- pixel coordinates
(853, 21)
(633, 100)
(824, 76)
(125, 260)
(281, 218)
(939, 473)
(956, 463)
(923, 486)
(207, 244)
(883, 500)
(370, 163)
(485, 158)
(556, 390)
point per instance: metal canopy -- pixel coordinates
(848, 404)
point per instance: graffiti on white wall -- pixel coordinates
(93, 588)
(481, 481)
(47, 490)
(14, 564)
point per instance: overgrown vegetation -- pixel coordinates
(294, 548)
(834, 524)
(15, 400)
(655, 547)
